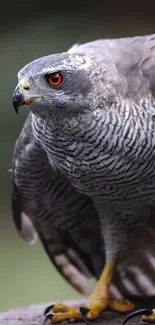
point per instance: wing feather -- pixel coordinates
(44, 202)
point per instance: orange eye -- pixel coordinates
(55, 79)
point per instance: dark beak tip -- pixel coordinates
(16, 105)
(16, 110)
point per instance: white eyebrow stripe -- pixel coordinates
(52, 70)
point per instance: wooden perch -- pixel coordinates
(33, 315)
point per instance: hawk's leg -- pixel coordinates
(97, 302)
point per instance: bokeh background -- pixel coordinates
(30, 29)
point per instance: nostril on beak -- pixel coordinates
(26, 88)
(25, 85)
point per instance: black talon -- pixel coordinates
(47, 310)
(83, 311)
(46, 319)
(140, 312)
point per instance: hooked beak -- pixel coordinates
(23, 95)
(20, 98)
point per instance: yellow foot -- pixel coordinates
(96, 304)
(59, 313)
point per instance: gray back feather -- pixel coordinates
(134, 59)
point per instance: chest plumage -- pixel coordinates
(109, 155)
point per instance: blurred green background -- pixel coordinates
(27, 31)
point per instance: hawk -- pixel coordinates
(84, 167)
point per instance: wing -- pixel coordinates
(130, 63)
(45, 203)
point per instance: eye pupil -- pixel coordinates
(55, 79)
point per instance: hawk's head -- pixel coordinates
(57, 82)
(62, 83)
